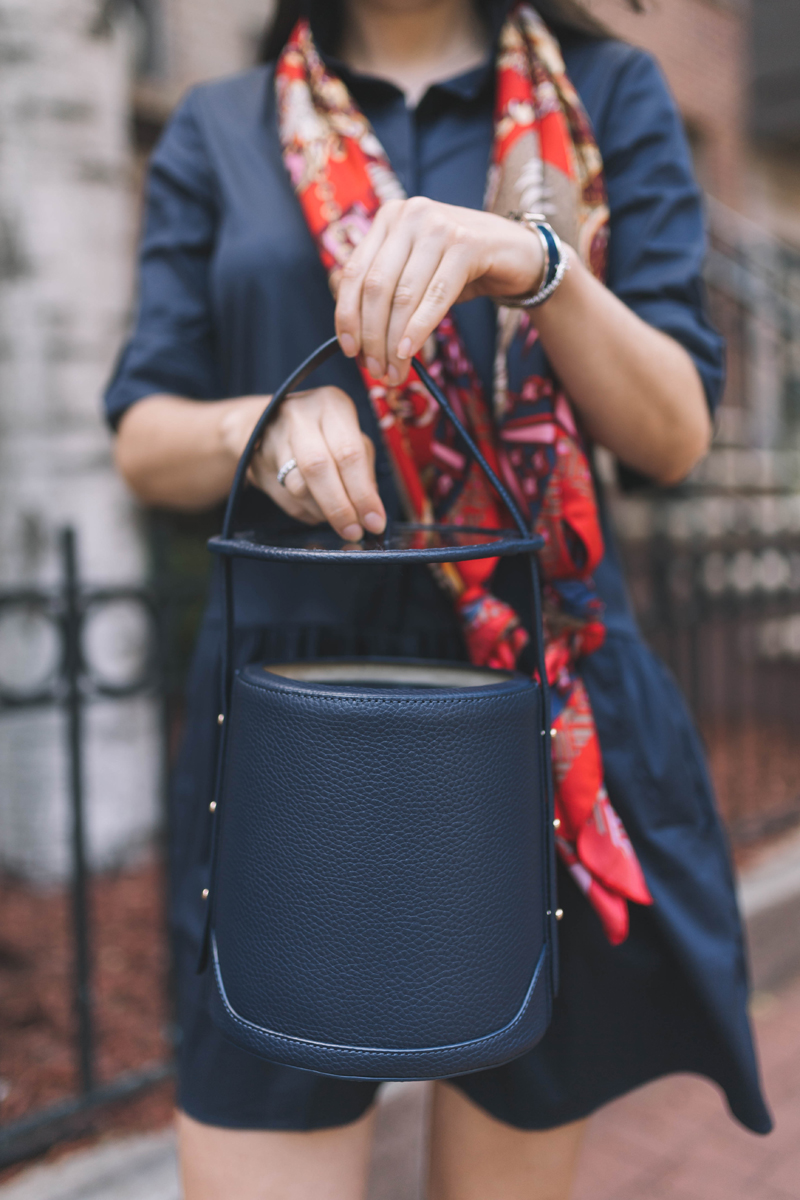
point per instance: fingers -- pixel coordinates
(412, 266)
(321, 476)
(354, 457)
(334, 479)
(443, 290)
(292, 496)
(296, 487)
(420, 269)
(350, 283)
(381, 295)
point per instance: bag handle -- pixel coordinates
(310, 364)
(319, 356)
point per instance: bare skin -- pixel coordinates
(638, 394)
(413, 44)
(242, 1164)
(472, 1157)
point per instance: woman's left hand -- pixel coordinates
(419, 258)
(636, 389)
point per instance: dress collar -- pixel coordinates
(467, 85)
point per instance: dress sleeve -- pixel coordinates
(171, 348)
(658, 240)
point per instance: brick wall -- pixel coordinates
(702, 47)
(206, 39)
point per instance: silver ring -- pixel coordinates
(288, 466)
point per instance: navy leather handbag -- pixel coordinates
(381, 900)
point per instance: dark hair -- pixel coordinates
(327, 18)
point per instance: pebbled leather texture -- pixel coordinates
(364, 1062)
(381, 886)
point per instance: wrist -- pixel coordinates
(555, 261)
(235, 422)
(527, 264)
(537, 261)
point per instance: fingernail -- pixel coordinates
(352, 533)
(404, 349)
(374, 367)
(393, 375)
(348, 344)
(374, 522)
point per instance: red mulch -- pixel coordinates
(756, 771)
(37, 1058)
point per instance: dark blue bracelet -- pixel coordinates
(554, 247)
(556, 262)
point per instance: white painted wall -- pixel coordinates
(68, 214)
(66, 230)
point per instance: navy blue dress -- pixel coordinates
(232, 297)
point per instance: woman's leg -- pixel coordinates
(243, 1164)
(475, 1157)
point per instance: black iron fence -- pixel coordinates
(72, 683)
(714, 568)
(718, 597)
(753, 282)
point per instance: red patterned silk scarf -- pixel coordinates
(544, 159)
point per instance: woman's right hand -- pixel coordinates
(334, 479)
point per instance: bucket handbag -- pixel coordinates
(381, 893)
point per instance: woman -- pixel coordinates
(244, 271)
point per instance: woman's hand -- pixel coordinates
(419, 258)
(637, 390)
(334, 479)
(180, 453)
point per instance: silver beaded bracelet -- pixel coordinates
(556, 264)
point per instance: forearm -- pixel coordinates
(182, 454)
(637, 390)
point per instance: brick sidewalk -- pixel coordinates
(674, 1140)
